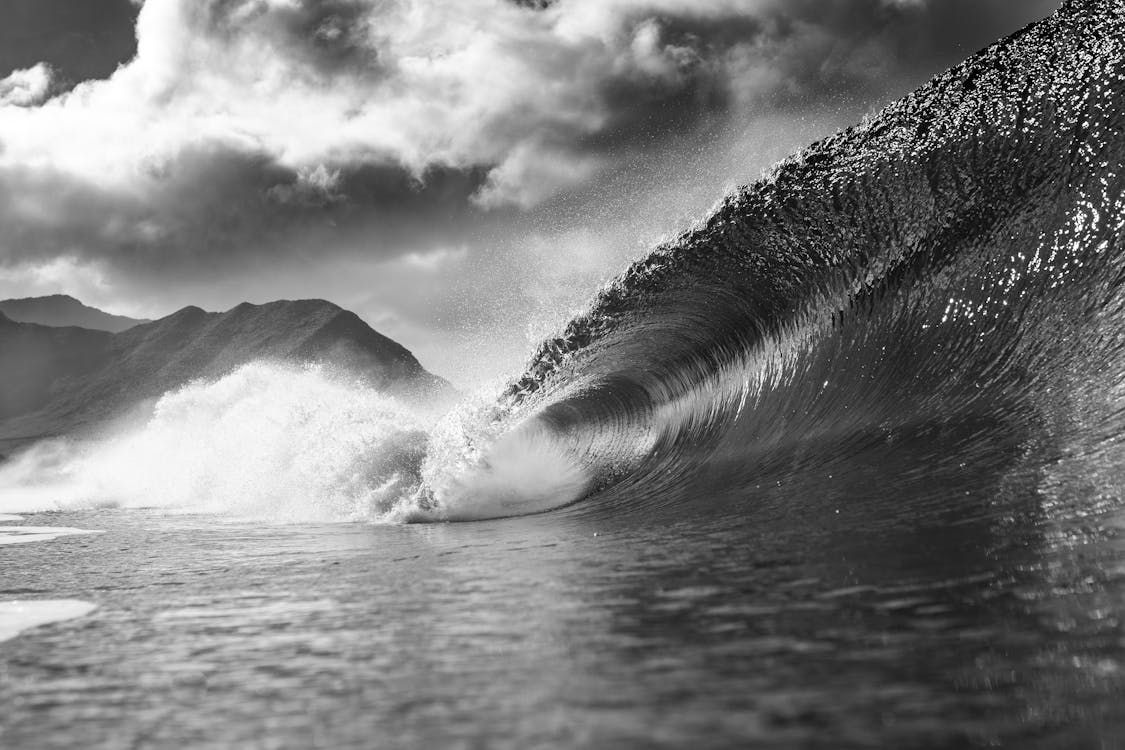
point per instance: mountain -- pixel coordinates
(61, 310)
(37, 359)
(56, 380)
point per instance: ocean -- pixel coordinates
(839, 467)
(933, 619)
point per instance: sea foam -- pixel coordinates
(18, 616)
(300, 444)
(267, 441)
(25, 534)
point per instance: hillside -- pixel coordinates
(58, 380)
(62, 310)
(39, 359)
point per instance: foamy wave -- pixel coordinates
(300, 444)
(267, 441)
(513, 472)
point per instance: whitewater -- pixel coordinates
(286, 443)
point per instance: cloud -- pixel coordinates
(244, 127)
(27, 87)
(417, 84)
(454, 150)
(213, 208)
(81, 40)
(530, 93)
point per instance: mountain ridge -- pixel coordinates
(61, 310)
(58, 380)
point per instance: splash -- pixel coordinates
(267, 441)
(301, 444)
(496, 473)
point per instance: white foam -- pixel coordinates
(18, 616)
(267, 441)
(25, 534)
(524, 470)
(298, 444)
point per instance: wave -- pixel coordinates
(299, 444)
(927, 302)
(939, 287)
(267, 441)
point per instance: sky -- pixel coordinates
(462, 174)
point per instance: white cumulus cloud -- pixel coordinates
(27, 87)
(416, 83)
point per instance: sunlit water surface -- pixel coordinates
(958, 620)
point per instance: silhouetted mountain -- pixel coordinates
(38, 359)
(61, 310)
(56, 380)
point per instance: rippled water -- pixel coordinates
(975, 621)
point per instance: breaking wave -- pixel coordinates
(267, 441)
(932, 295)
(927, 301)
(286, 443)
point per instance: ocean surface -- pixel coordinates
(842, 466)
(940, 618)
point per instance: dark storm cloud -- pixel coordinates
(534, 4)
(795, 55)
(912, 38)
(327, 35)
(252, 211)
(695, 63)
(81, 39)
(543, 100)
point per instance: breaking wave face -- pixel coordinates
(928, 301)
